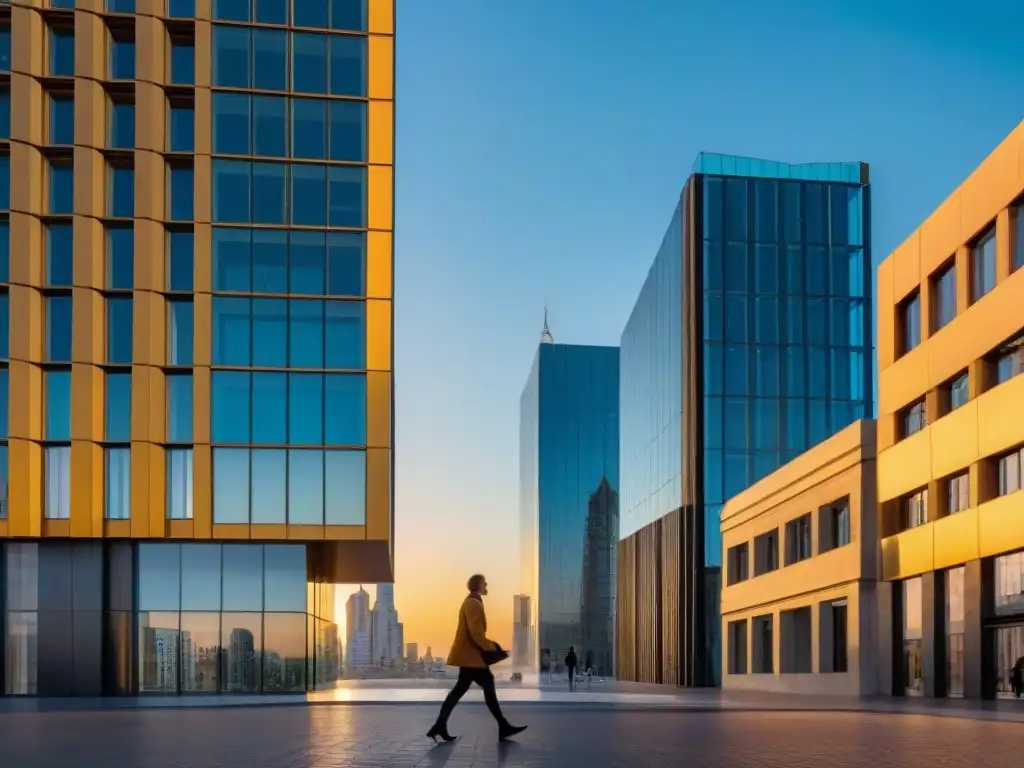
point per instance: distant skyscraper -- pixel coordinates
(749, 342)
(521, 656)
(358, 640)
(412, 653)
(569, 450)
(387, 637)
(598, 598)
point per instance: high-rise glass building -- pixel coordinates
(749, 343)
(569, 505)
(195, 338)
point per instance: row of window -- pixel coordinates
(942, 283)
(956, 490)
(333, 14)
(769, 211)
(181, 67)
(797, 371)
(277, 60)
(794, 269)
(795, 641)
(783, 320)
(120, 197)
(766, 424)
(296, 486)
(833, 532)
(60, 123)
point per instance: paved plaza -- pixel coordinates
(560, 735)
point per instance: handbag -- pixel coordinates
(490, 657)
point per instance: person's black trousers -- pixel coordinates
(468, 676)
(572, 674)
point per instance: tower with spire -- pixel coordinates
(545, 334)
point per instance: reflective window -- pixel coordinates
(159, 640)
(305, 333)
(348, 65)
(1017, 237)
(284, 577)
(232, 331)
(181, 193)
(180, 261)
(232, 259)
(959, 391)
(122, 125)
(305, 409)
(305, 487)
(5, 49)
(58, 329)
(914, 418)
(179, 332)
(347, 130)
(269, 193)
(181, 9)
(309, 62)
(345, 409)
(955, 632)
(181, 128)
(958, 493)
(916, 509)
(62, 52)
(270, 59)
(309, 128)
(121, 6)
(118, 471)
(345, 488)
(910, 318)
(120, 258)
(270, 332)
(200, 577)
(5, 114)
(183, 62)
(60, 261)
(230, 406)
(284, 656)
(309, 195)
(57, 482)
(3, 480)
(269, 484)
(179, 407)
(232, 50)
(4, 413)
(230, 485)
(345, 263)
(5, 183)
(231, 124)
(1009, 584)
(119, 330)
(272, 11)
(122, 58)
(5, 325)
(345, 334)
(347, 196)
(120, 191)
(269, 400)
(1011, 478)
(232, 10)
(62, 120)
(348, 15)
(983, 264)
(944, 297)
(243, 578)
(1009, 360)
(58, 404)
(270, 126)
(159, 573)
(913, 632)
(119, 407)
(22, 627)
(179, 483)
(270, 262)
(309, 14)
(232, 191)
(306, 262)
(62, 188)
(5, 262)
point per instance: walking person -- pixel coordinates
(1017, 677)
(570, 664)
(473, 654)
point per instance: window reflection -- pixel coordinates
(913, 624)
(241, 650)
(269, 481)
(200, 652)
(159, 638)
(284, 655)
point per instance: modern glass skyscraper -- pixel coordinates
(749, 343)
(195, 335)
(569, 505)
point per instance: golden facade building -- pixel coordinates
(196, 399)
(799, 597)
(950, 436)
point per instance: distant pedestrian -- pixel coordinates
(473, 654)
(570, 664)
(1017, 677)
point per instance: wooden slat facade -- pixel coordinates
(625, 611)
(669, 592)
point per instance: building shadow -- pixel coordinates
(439, 754)
(509, 752)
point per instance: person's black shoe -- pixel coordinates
(440, 732)
(508, 730)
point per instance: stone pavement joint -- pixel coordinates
(559, 735)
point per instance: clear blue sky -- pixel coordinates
(540, 147)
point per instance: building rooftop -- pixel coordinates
(715, 164)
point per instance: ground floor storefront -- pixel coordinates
(122, 618)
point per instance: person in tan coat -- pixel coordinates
(470, 653)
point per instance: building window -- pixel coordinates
(955, 632)
(179, 332)
(62, 52)
(181, 9)
(119, 330)
(766, 553)
(62, 188)
(120, 191)
(795, 643)
(763, 645)
(914, 418)
(180, 261)
(183, 61)
(122, 55)
(738, 565)
(840, 636)
(182, 127)
(5, 113)
(915, 509)
(270, 54)
(179, 483)
(179, 407)
(60, 256)
(1009, 584)
(121, 6)
(118, 466)
(959, 391)
(57, 384)
(983, 264)
(958, 493)
(232, 52)
(181, 193)
(57, 465)
(913, 624)
(738, 647)
(5, 48)
(1009, 361)
(58, 329)
(120, 258)
(1010, 471)
(834, 525)
(798, 539)
(119, 407)
(1017, 240)
(122, 125)
(1009, 649)
(62, 119)
(944, 297)
(910, 320)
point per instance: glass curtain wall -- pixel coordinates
(913, 634)
(955, 632)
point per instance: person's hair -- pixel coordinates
(475, 582)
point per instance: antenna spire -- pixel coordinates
(545, 334)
